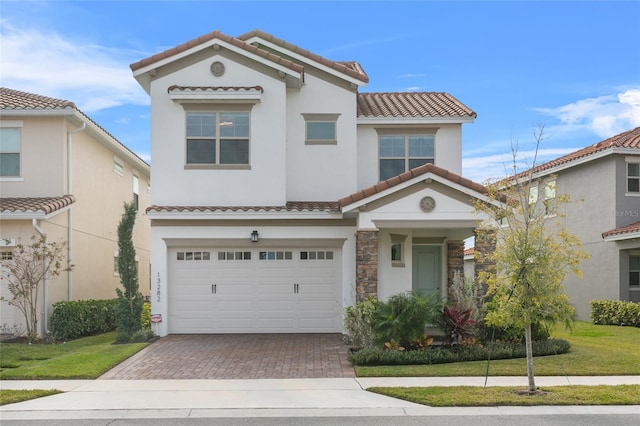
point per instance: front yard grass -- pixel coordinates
(8, 396)
(85, 358)
(596, 350)
(472, 396)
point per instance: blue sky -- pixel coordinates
(573, 67)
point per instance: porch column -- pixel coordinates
(366, 264)
(485, 244)
(455, 262)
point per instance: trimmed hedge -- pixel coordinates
(438, 355)
(80, 318)
(615, 312)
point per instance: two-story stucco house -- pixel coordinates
(282, 193)
(603, 183)
(64, 177)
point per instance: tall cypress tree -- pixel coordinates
(129, 307)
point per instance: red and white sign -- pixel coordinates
(156, 318)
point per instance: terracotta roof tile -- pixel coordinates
(15, 100)
(418, 171)
(44, 205)
(628, 139)
(352, 69)
(411, 104)
(470, 251)
(634, 227)
(220, 36)
(300, 206)
(215, 88)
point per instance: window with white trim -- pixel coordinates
(321, 129)
(397, 250)
(193, 255)
(550, 197)
(533, 200)
(316, 255)
(136, 191)
(400, 153)
(10, 151)
(118, 166)
(275, 255)
(234, 255)
(634, 270)
(217, 138)
(633, 177)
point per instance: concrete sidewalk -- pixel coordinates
(99, 399)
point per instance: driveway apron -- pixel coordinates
(238, 356)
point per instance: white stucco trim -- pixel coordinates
(218, 215)
(403, 121)
(38, 215)
(622, 237)
(248, 95)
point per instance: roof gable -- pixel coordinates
(351, 69)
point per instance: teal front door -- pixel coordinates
(427, 270)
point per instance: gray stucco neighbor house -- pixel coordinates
(603, 182)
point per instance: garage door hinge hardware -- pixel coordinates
(214, 288)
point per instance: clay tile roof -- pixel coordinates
(16, 100)
(44, 205)
(215, 88)
(411, 104)
(352, 69)
(634, 227)
(216, 35)
(628, 139)
(470, 251)
(418, 171)
(300, 206)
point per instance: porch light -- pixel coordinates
(254, 236)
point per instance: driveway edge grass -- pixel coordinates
(11, 396)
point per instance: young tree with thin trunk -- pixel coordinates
(534, 253)
(129, 307)
(24, 271)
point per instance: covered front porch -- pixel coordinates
(411, 233)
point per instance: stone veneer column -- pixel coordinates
(455, 262)
(485, 245)
(366, 264)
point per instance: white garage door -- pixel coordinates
(247, 290)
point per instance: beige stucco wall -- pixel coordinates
(100, 193)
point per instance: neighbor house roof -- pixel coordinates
(629, 140)
(470, 251)
(411, 104)
(42, 205)
(625, 231)
(16, 101)
(418, 171)
(299, 206)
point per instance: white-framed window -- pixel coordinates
(321, 129)
(634, 270)
(533, 200)
(6, 255)
(193, 255)
(234, 255)
(633, 177)
(136, 191)
(550, 197)
(217, 138)
(10, 143)
(397, 250)
(399, 153)
(316, 255)
(118, 166)
(275, 255)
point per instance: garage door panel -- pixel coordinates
(259, 290)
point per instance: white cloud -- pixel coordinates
(496, 166)
(46, 63)
(410, 75)
(413, 89)
(604, 115)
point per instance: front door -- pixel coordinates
(427, 275)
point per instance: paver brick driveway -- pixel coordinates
(238, 356)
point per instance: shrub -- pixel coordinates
(70, 320)
(146, 316)
(357, 323)
(403, 318)
(457, 324)
(440, 355)
(615, 312)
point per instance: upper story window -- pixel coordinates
(550, 197)
(401, 153)
(118, 166)
(634, 270)
(10, 151)
(321, 129)
(136, 191)
(633, 178)
(218, 138)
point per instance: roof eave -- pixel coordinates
(414, 120)
(29, 215)
(217, 215)
(623, 236)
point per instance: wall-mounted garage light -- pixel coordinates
(254, 236)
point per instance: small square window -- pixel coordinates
(321, 129)
(329, 255)
(396, 252)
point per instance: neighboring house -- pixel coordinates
(469, 263)
(603, 182)
(282, 194)
(64, 176)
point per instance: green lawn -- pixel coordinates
(8, 396)
(85, 358)
(469, 396)
(596, 350)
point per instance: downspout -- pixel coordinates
(70, 211)
(45, 285)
